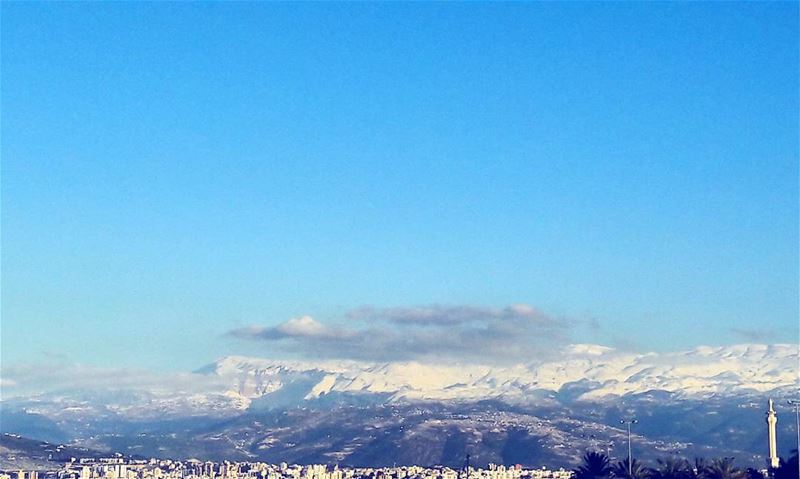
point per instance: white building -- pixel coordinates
(772, 420)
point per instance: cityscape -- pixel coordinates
(595, 464)
(116, 468)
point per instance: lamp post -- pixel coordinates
(796, 404)
(629, 422)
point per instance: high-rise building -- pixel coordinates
(772, 420)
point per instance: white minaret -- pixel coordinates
(772, 419)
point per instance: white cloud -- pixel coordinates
(33, 378)
(302, 327)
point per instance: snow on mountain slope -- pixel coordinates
(235, 384)
(602, 371)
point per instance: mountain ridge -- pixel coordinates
(706, 401)
(603, 372)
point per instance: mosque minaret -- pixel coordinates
(772, 420)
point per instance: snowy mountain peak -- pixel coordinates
(600, 370)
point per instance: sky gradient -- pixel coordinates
(172, 173)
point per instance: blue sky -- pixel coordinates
(172, 172)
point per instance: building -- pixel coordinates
(772, 420)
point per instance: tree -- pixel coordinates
(699, 469)
(672, 468)
(787, 468)
(723, 468)
(753, 473)
(635, 471)
(595, 466)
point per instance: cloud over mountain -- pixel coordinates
(456, 333)
(753, 335)
(26, 379)
(443, 315)
(302, 327)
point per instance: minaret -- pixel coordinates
(772, 419)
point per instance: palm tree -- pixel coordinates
(723, 468)
(595, 466)
(753, 473)
(672, 468)
(621, 470)
(787, 468)
(699, 469)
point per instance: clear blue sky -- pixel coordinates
(173, 171)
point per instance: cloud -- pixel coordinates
(516, 333)
(753, 335)
(302, 327)
(7, 383)
(47, 376)
(445, 315)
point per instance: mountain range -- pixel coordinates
(597, 372)
(706, 401)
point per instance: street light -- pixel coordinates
(630, 456)
(796, 404)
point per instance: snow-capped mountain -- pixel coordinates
(596, 370)
(588, 373)
(706, 401)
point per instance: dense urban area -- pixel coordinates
(118, 468)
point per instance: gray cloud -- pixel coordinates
(516, 333)
(446, 315)
(753, 335)
(302, 327)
